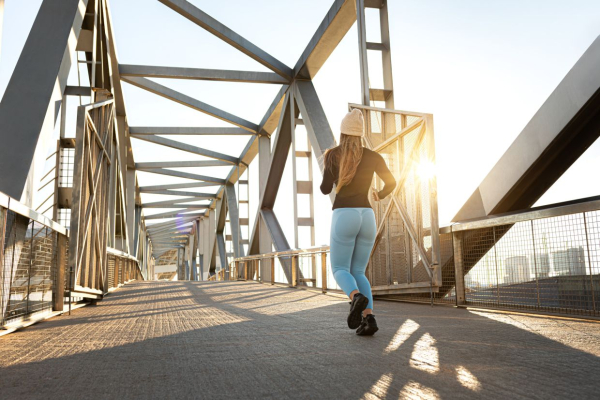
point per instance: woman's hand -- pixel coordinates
(374, 194)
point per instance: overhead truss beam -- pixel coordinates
(200, 74)
(213, 26)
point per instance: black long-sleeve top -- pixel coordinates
(356, 193)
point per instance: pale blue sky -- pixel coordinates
(482, 68)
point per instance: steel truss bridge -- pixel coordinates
(93, 233)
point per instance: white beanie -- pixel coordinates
(353, 123)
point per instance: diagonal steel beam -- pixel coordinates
(329, 34)
(186, 175)
(152, 71)
(213, 26)
(187, 147)
(234, 220)
(29, 106)
(319, 132)
(188, 101)
(170, 130)
(281, 148)
(269, 121)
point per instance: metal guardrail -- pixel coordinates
(32, 252)
(34, 278)
(309, 268)
(541, 260)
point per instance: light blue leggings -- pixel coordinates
(353, 233)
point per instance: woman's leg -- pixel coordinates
(345, 225)
(362, 251)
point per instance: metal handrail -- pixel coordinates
(13, 205)
(553, 210)
(285, 253)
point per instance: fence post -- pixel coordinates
(459, 272)
(58, 293)
(294, 271)
(324, 272)
(273, 270)
(246, 270)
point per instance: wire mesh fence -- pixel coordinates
(547, 264)
(544, 261)
(29, 266)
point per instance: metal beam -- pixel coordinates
(172, 130)
(177, 201)
(188, 101)
(279, 241)
(234, 221)
(155, 188)
(187, 147)
(560, 131)
(319, 132)
(178, 193)
(269, 121)
(186, 175)
(329, 34)
(185, 207)
(182, 164)
(201, 74)
(29, 107)
(283, 141)
(213, 26)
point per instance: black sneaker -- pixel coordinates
(368, 326)
(357, 306)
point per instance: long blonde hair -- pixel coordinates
(346, 156)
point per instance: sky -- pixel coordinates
(482, 68)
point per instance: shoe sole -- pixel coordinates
(369, 331)
(355, 315)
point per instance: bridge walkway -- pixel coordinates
(249, 340)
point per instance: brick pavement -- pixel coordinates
(246, 340)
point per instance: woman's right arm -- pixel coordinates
(385, 174)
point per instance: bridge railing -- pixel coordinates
(546, 259)
(32, 262)
(541, 260)
(310, 268)
(34, 276)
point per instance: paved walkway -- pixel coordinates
(246, 340)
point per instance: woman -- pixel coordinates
(353, 228)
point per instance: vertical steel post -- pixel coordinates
(324, 271)
(273, 270)
(537, 283)
(362, 51)
(294, 271)
(459, 271)
(587, 241)
(58, 294)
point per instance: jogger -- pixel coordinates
(353, 233)
(351, 167)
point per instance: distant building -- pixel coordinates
(542, 265)
(569, 262)
(516, 269)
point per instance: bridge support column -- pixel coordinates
(58, 292)
(459, 271)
